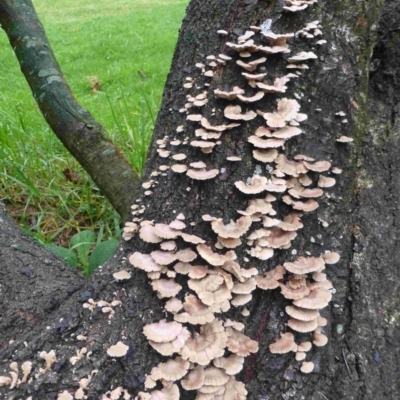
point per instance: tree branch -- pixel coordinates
(80, 133)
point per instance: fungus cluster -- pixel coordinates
(206, 351)
(105, 306)
(199, 281)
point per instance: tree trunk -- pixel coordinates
(361, 359)
(79, 132)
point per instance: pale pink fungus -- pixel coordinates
(257, 185)
(118, 350)
(202, 174)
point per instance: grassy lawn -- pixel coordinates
(115, 54)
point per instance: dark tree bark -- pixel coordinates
(80, 133)
(361, 360)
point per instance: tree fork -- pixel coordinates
(80, 133)
(361, 359)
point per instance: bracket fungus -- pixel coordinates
(207, 351)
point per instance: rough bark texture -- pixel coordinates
(84, 137)
(362, 358)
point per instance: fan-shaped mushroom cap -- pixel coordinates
(317, 299)
(274, 120)
(322, 321)
(118, 350)
(233, 229)
(263, 131)
(169, 245)
(246, 46)
(194, 117)
(245, 287)
(122, 275)
(319, 166)
(234, 113)
(268, 155)
(182, 268)
(278, 238)
(174, 346)
(229, 95)
(337, 170)
(239, 343)
(302, 56)
(331, 258)
(166, 287)
(233, 389)
(283, 345)
(165, 231)
(294, 294)
(292, 168)
(345, 139)
(258, 96)
(218, 297)
(198, 271)
(215, 258)
(210, 283)
(163, 331)
(262, 253)
(218, 128)
(288, 108)
(233, 268)
(147, 233)
(173, 305)
(326, 182)
(215, 377)
(209, 344)
(306, 193)
(305, 265)
(170, 392)
(301, 313)
(257, 185)
(202, 174)
(195, 379)
(265, 143)
(274, 49)
(232, 364)
(320, 285)
(304, 346)
(204, 145)
(241, 299)
(191, 238)
(302, 326)
(163, 257)
(291, 222)
(319, 276)
(186, 255)
(206, 135)
(204, 316)
(287, 132)
(258, 206)
(306, 206)
(179, 168)
(179, 156)
(172, 370)
(144, 262)
(300, 356)
(319, 339)
(307, 367)
(229, 243)
(163, 153)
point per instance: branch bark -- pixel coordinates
(360, 361)
(83, 136)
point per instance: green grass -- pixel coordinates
(99, 44)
